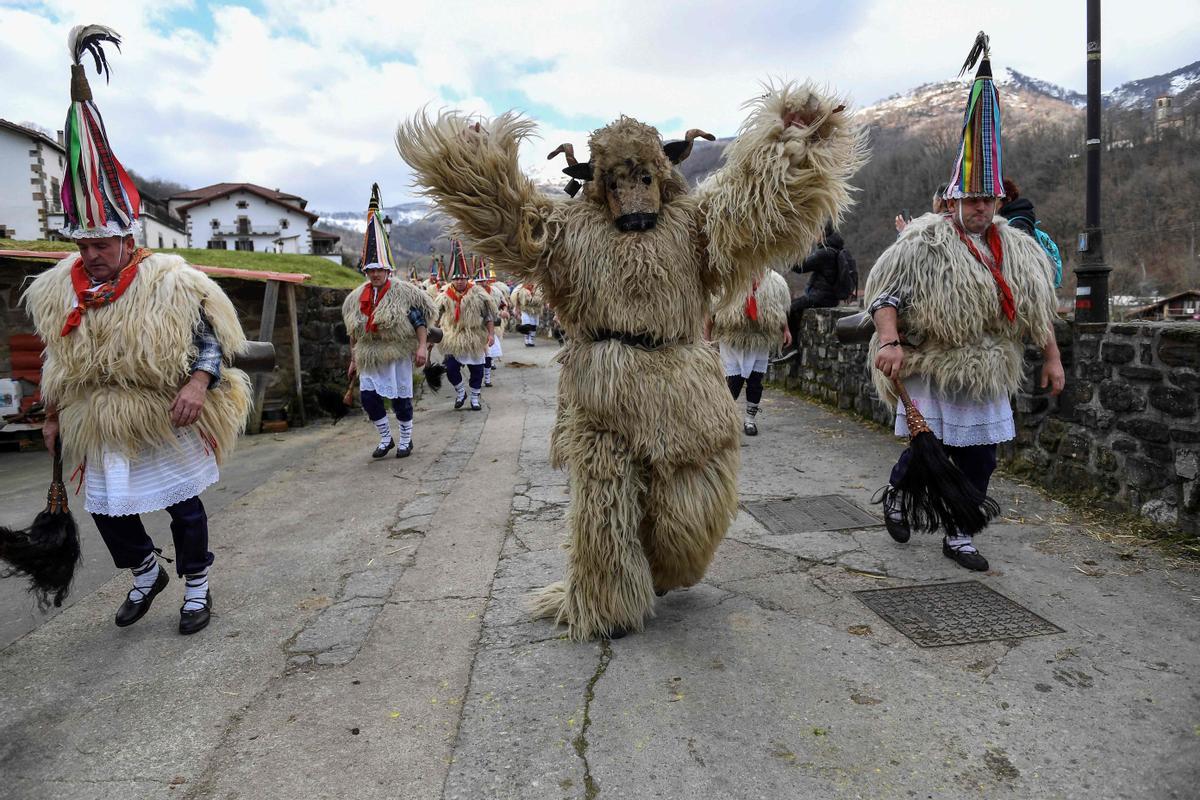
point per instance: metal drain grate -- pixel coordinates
(941, 614)
(829, 512)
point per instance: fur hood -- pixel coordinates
(952, 316)
(396, 337)
(731, 325)
(114, 378)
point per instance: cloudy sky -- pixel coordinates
(305, 94)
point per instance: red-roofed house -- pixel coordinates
(245, 216)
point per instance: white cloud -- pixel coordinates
(305, 95)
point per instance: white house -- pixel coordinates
(32, 166)
(243, 216)
(161, 230)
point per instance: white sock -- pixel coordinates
(385, 432)
(195, 591)
(405, 433)
(487, 373)
(459, 391)
(961, 543)
(475, 395)
(751, 412)
(144, 576)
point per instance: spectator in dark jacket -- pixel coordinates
(1017, 209)
(822, 265)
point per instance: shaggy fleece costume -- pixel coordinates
(115, 377)
(394, 337)
(465, 333)
(528, 301)
(649, 434)
(733, 326)
(952, 324)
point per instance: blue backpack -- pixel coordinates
(1047, 244)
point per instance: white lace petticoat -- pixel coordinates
(393, 379)
(151, 480)
(742, 361)
(956, 419)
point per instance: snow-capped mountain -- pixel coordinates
(1183, 83)
(357, 220)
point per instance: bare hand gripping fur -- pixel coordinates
(646, 426)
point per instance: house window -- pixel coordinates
(160, 241)
(243, 226)
(242, 204)
(283, 223)
(217, 244)
(244, 244)
(216, 223)
(56, 194)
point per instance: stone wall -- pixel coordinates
(1125, 431)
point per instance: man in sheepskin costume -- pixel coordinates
(467, 315)
(646, 425)
(954, 299)
(386, 320)
(499, 294)
(136, 374)
(528, 301)
(748, 333)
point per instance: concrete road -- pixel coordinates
(370, 640)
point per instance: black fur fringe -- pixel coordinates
(935, 494)
(433, 376)
(47, 553)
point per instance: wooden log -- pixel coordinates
(265, 331)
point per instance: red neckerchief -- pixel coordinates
(453, 294)
(529, 287)
(1007, 305)
(752, 303)
(88, 297)
(368, 302)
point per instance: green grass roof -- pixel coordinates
(323, 271)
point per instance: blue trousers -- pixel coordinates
(129, 544)
(372, 403)
(753, 384)
(454, 372)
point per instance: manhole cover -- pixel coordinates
(828, 512)
(954, 613)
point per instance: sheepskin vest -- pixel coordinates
(114, 377)
(732, 324)
(528, 302)
(467, 334)
(956, 332)
(395, 338)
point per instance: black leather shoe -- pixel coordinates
(130, 611)
(487, 384)
(897, 525)
(973, 560)
(617, 633)
(475, 404)
(383, 450)
(404, 452)
(458, 403)
(195, 621)
(750, 429)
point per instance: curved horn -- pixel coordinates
(567, 149)
(678, 151)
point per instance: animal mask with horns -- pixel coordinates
(631, 172)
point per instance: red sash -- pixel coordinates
(88, 298)
(458, 298)
(752, 303)
(1007, 305)
(368, 302)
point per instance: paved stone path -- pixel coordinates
(370, 640)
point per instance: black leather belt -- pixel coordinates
(643, 341)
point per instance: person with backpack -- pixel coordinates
(1019, 212)
(834, 279)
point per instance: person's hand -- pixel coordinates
(491, 340)
(1053, 376)
(50, 432)
(889, 359)
(787, 338)
(504, 316)
(421, 357)
(901, 223)
(189, 402)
